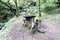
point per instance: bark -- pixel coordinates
(17, 11)
(39, 9)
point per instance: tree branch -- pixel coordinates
(11, 9)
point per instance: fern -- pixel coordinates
(48, 7)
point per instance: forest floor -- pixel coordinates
(18, 32)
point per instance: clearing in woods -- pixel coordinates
(18, 32)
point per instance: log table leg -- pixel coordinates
(35, 28)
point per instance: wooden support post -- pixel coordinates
(32, 21)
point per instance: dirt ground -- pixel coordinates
(18, 32)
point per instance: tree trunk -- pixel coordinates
(39, 9)
(59, 2)
(17, 11)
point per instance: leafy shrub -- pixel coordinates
(48, 7)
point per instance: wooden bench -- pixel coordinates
(29, 20)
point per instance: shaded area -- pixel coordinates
(18, 32)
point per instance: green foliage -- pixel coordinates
(48, 7)
(4, 0)
(5, 11)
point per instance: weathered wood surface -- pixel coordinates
(29, 20)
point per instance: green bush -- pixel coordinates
(48, 7)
